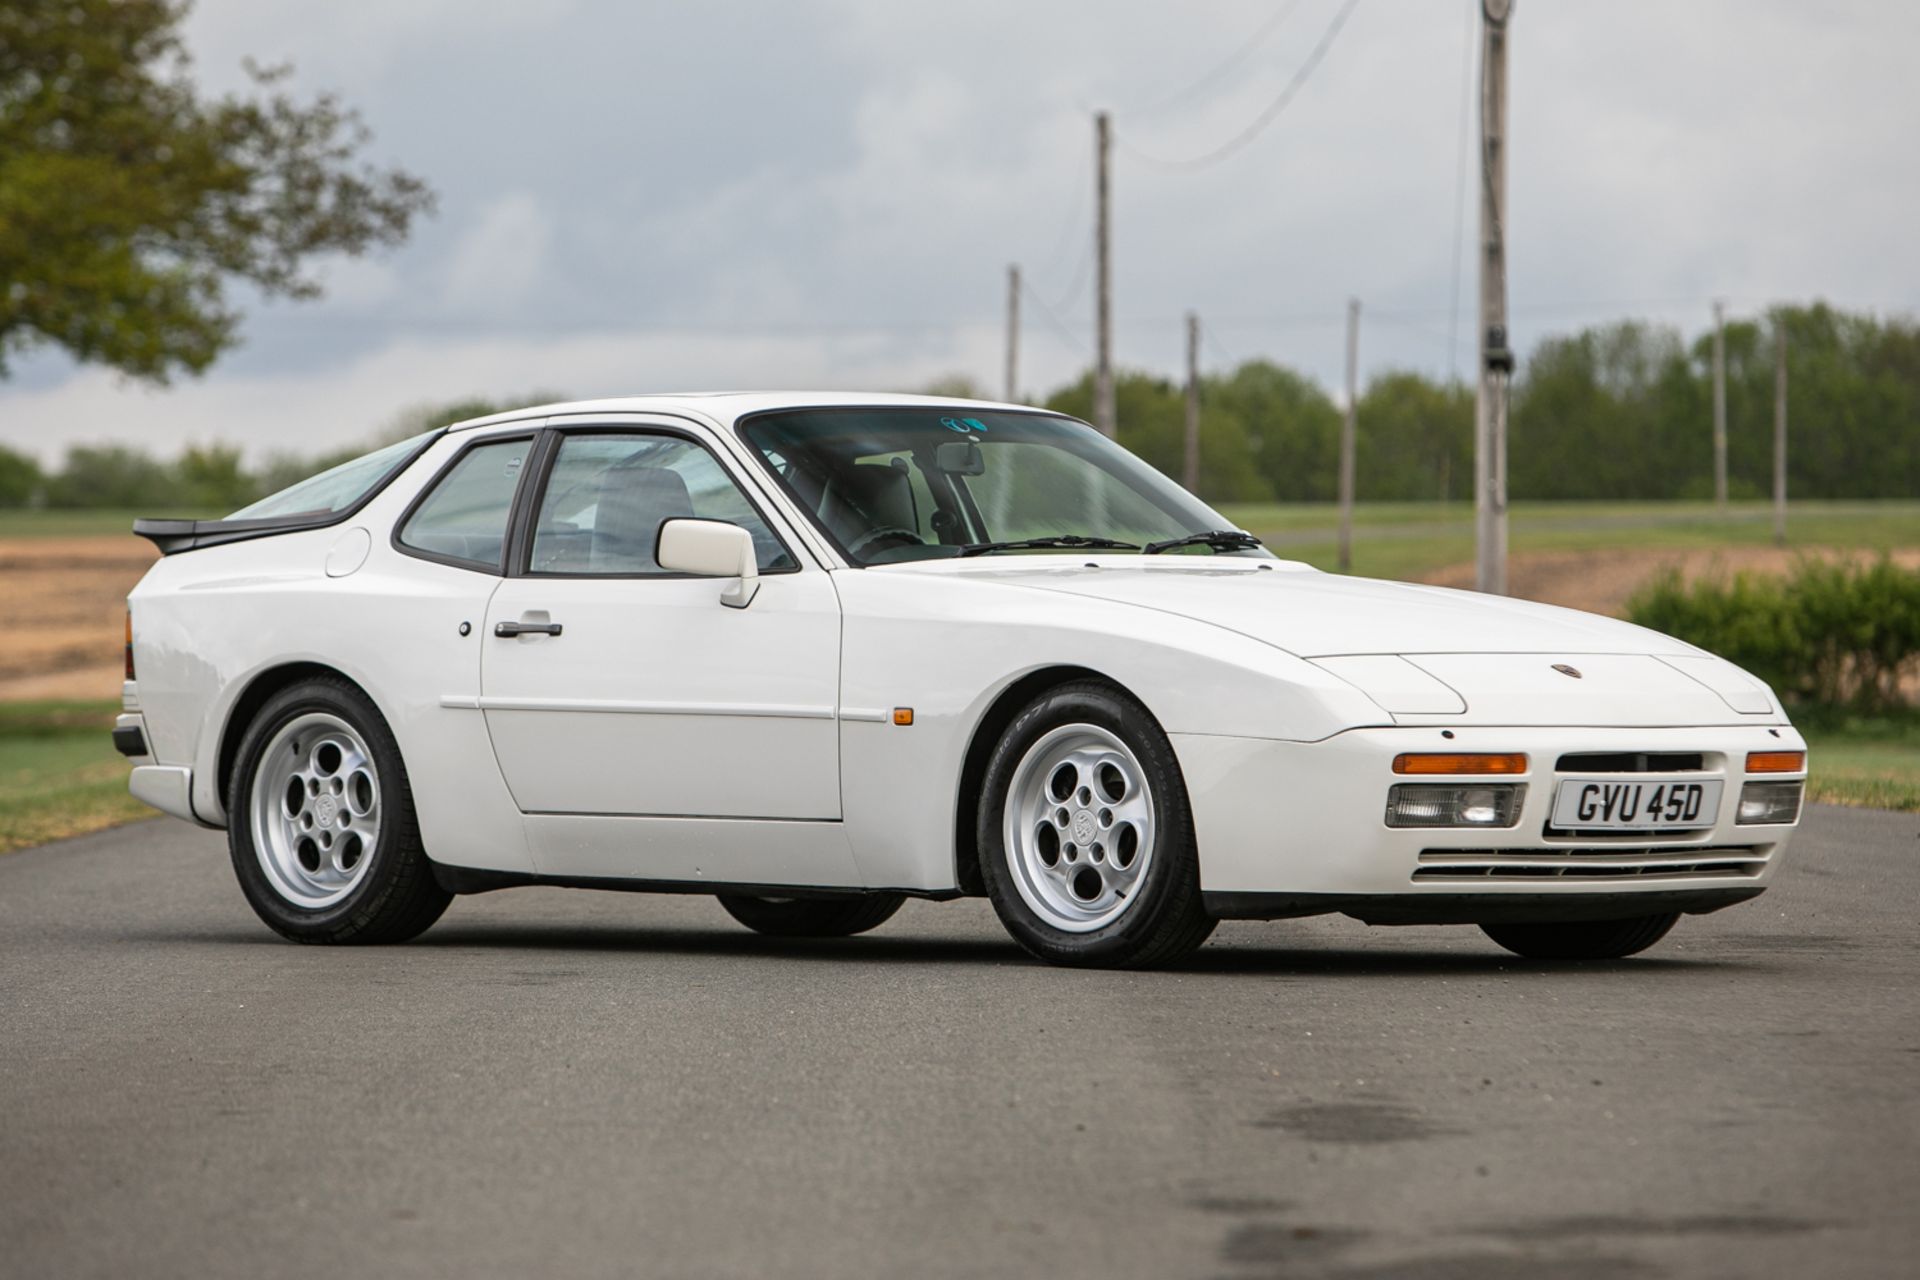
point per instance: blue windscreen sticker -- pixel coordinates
(963, 425)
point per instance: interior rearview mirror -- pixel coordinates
(712, 549)
(960, 458)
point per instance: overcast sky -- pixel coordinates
(656, 196)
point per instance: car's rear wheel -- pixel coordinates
(1085, 837)
(1582, 939)
(812, 917)
(320, 821)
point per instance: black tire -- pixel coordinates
(813, 917)
(396, 898)
(1582, 939)
(1165, 921)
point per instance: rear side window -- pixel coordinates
(464, 516)
(336, 489)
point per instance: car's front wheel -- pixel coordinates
(1582, 939)
(1085, 836)
(320, 821)
(812, 917)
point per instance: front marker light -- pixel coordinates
(1422, 804)
(1768, 803)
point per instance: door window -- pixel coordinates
(463, 519)
(608, 494)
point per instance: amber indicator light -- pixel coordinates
(1776, 761)
(1454, 764)
(903, 715)
(129, 644)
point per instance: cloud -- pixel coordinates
(829, 192)
(501, 260)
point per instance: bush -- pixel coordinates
(1831, 635)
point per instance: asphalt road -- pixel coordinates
(563, 1083)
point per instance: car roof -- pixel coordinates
(728, 407)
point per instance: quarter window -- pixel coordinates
(608, 494)
(464, 518)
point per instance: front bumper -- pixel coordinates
(1291, 828)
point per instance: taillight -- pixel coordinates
(129, 644)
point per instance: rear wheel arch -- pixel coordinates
(258, 691)
(987, 732)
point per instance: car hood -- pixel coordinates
(1424, 654)
(1312, 614)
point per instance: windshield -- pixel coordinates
(335, 489)
(893, 484)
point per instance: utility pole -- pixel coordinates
(1779, 432)
(1347, 429)
(1496, 357)
(1190, 474)
(1720, 404)
(1013, 333)
(1103, 410)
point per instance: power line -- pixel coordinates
(1053, 321)
(1233, 60)
(1266, 117)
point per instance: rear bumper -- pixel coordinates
(167, 787)
(1288, 828)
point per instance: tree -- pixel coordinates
(1414, 441)
(19, 478)
(1293, 429)
(209, 477)
(129, 204)
(1152, 423)
(108, 476)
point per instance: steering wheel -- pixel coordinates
(871, 536)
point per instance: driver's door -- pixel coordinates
(630, 710)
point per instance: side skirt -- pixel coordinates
(465, 880)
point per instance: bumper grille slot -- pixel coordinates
(1632, 762)
(1608, 863)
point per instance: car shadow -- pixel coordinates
(880, 947)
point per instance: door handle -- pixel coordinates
(508, 630)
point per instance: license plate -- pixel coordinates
(1635, 804)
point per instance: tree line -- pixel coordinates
(1620, 411)
(1615, 411)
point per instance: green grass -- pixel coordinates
(1865, 762)
(20, 522)
(1408, 539)
(59, 773)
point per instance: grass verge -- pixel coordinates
(1874, 763)
(59, 773)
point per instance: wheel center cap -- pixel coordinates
(1084, 826)
(325, 809)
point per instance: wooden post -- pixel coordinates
(1347, 432)
(1496, 356)
(1779, 432)
(1103, 406)
(1013, 334)
(1190, 473)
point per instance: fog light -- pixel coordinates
(1419, 804)
(1769, 803)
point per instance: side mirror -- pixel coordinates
(711, 549)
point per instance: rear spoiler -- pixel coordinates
(187, 535)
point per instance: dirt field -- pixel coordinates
(65, 598)
(63, 615)
(1603, 581)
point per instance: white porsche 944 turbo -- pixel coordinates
(816, 654)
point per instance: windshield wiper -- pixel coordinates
(1218, 539)
(1061, 540)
